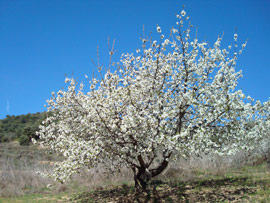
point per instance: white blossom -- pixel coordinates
(176, 97)
(158, 29)
(183, 13)
(235, 37)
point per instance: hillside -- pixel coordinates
(22, 127)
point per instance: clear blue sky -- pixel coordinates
(41, 41)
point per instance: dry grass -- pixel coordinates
(19, 166)
(18, 171)
(18, 177)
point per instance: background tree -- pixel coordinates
(13, 127)
(174, 97)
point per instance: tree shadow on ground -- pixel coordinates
(214, 190)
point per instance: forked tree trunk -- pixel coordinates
(143, 175)
(141, 178)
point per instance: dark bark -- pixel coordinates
(141, 178)
(268, 158)
(142, 175)
(159, 169)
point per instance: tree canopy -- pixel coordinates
(174, 97)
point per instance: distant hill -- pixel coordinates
(22, 127)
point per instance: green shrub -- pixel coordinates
(12, 127)
(24, 140)
(5, 139)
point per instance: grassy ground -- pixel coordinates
(250, 184)
(20, 183)
(42, 198)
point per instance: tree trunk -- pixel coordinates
(268, 158)
(143, 175)
(141, 178)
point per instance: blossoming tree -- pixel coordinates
(174, 97)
